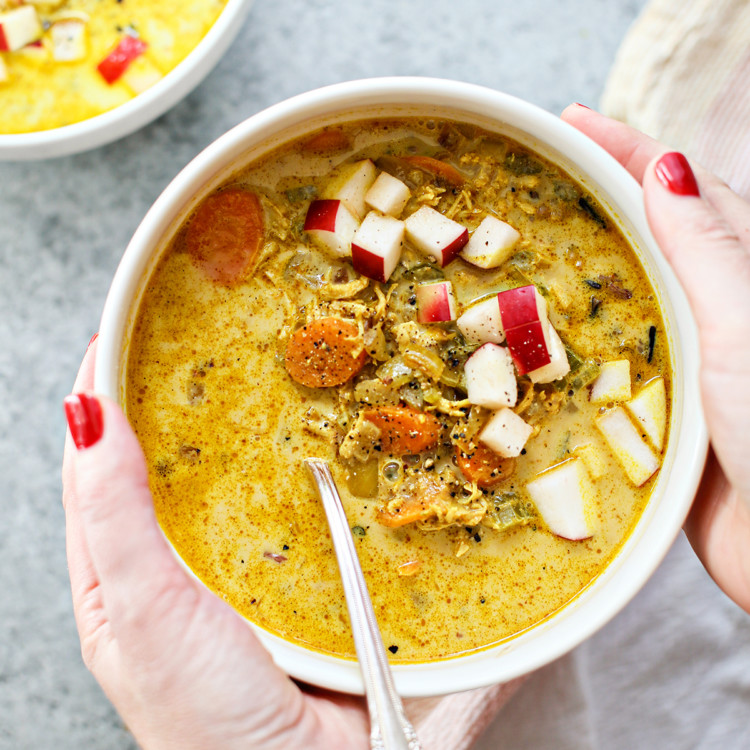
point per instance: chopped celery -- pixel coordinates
(509, 510)
(582, 372)
(302, 193)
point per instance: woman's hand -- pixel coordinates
(182, 668)
(704, 230)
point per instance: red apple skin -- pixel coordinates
(527, 346)
(368, 264)
(118, 60)
(450, 252)
(321, 215)
(518, 306)
(435, 310)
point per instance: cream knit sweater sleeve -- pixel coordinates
(682, 75)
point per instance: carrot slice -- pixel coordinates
(481, 465)
(412, 509)
(404, 430)
(226, 234)
(327, 140)
(325, 352)
(439, 168)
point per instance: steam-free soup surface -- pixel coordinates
(225, 423)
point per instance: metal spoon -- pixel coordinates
(389, 727)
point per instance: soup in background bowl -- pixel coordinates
(75, 74)
(454, 298)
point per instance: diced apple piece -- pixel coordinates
(612, 383)
(331, 224)
(19, 27)
(68, 40)
(506, 433)
(592, 457)
(117, 61)
(562, 497)
(436, 302)
(481, 322)
(649, 407)
(142, 74)
(377, 245)
(491, 244)
(633, 453)
(490, 377)
(558, 366)
(351, 184)
(523, 314)
(388, 195)
(436, 235)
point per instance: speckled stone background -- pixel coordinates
(64, 224)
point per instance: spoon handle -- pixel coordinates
(389, 727)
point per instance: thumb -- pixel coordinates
(702, 246)
(699, 229)
(137, 571)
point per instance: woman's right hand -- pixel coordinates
(704, 230)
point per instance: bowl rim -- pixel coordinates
(647, 545)
(137, 112)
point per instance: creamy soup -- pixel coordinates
(458, 328)
(66, 61)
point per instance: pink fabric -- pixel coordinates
(454, 722)
(723, 139)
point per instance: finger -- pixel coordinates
(97, 643)
(138, 575)
(84, 382)
(714, 268)
(98, 648)
(703, 248)
(718, 528)
(633, 149)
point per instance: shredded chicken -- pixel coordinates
(360, 441)
(433, 502)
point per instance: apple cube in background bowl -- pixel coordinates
(487, 446)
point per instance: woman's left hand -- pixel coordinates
(181, 667)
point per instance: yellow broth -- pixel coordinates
(42, 93)
(224, 428)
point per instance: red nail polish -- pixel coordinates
(674, 172)
(578, 104)
(84, 415)
(93, 338)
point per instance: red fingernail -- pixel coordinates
(84, 415)
(674, 172)
(93, 338)
(578, 104)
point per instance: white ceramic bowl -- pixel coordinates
(614, 188)
(139, 111)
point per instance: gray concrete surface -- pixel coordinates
(64, 224)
